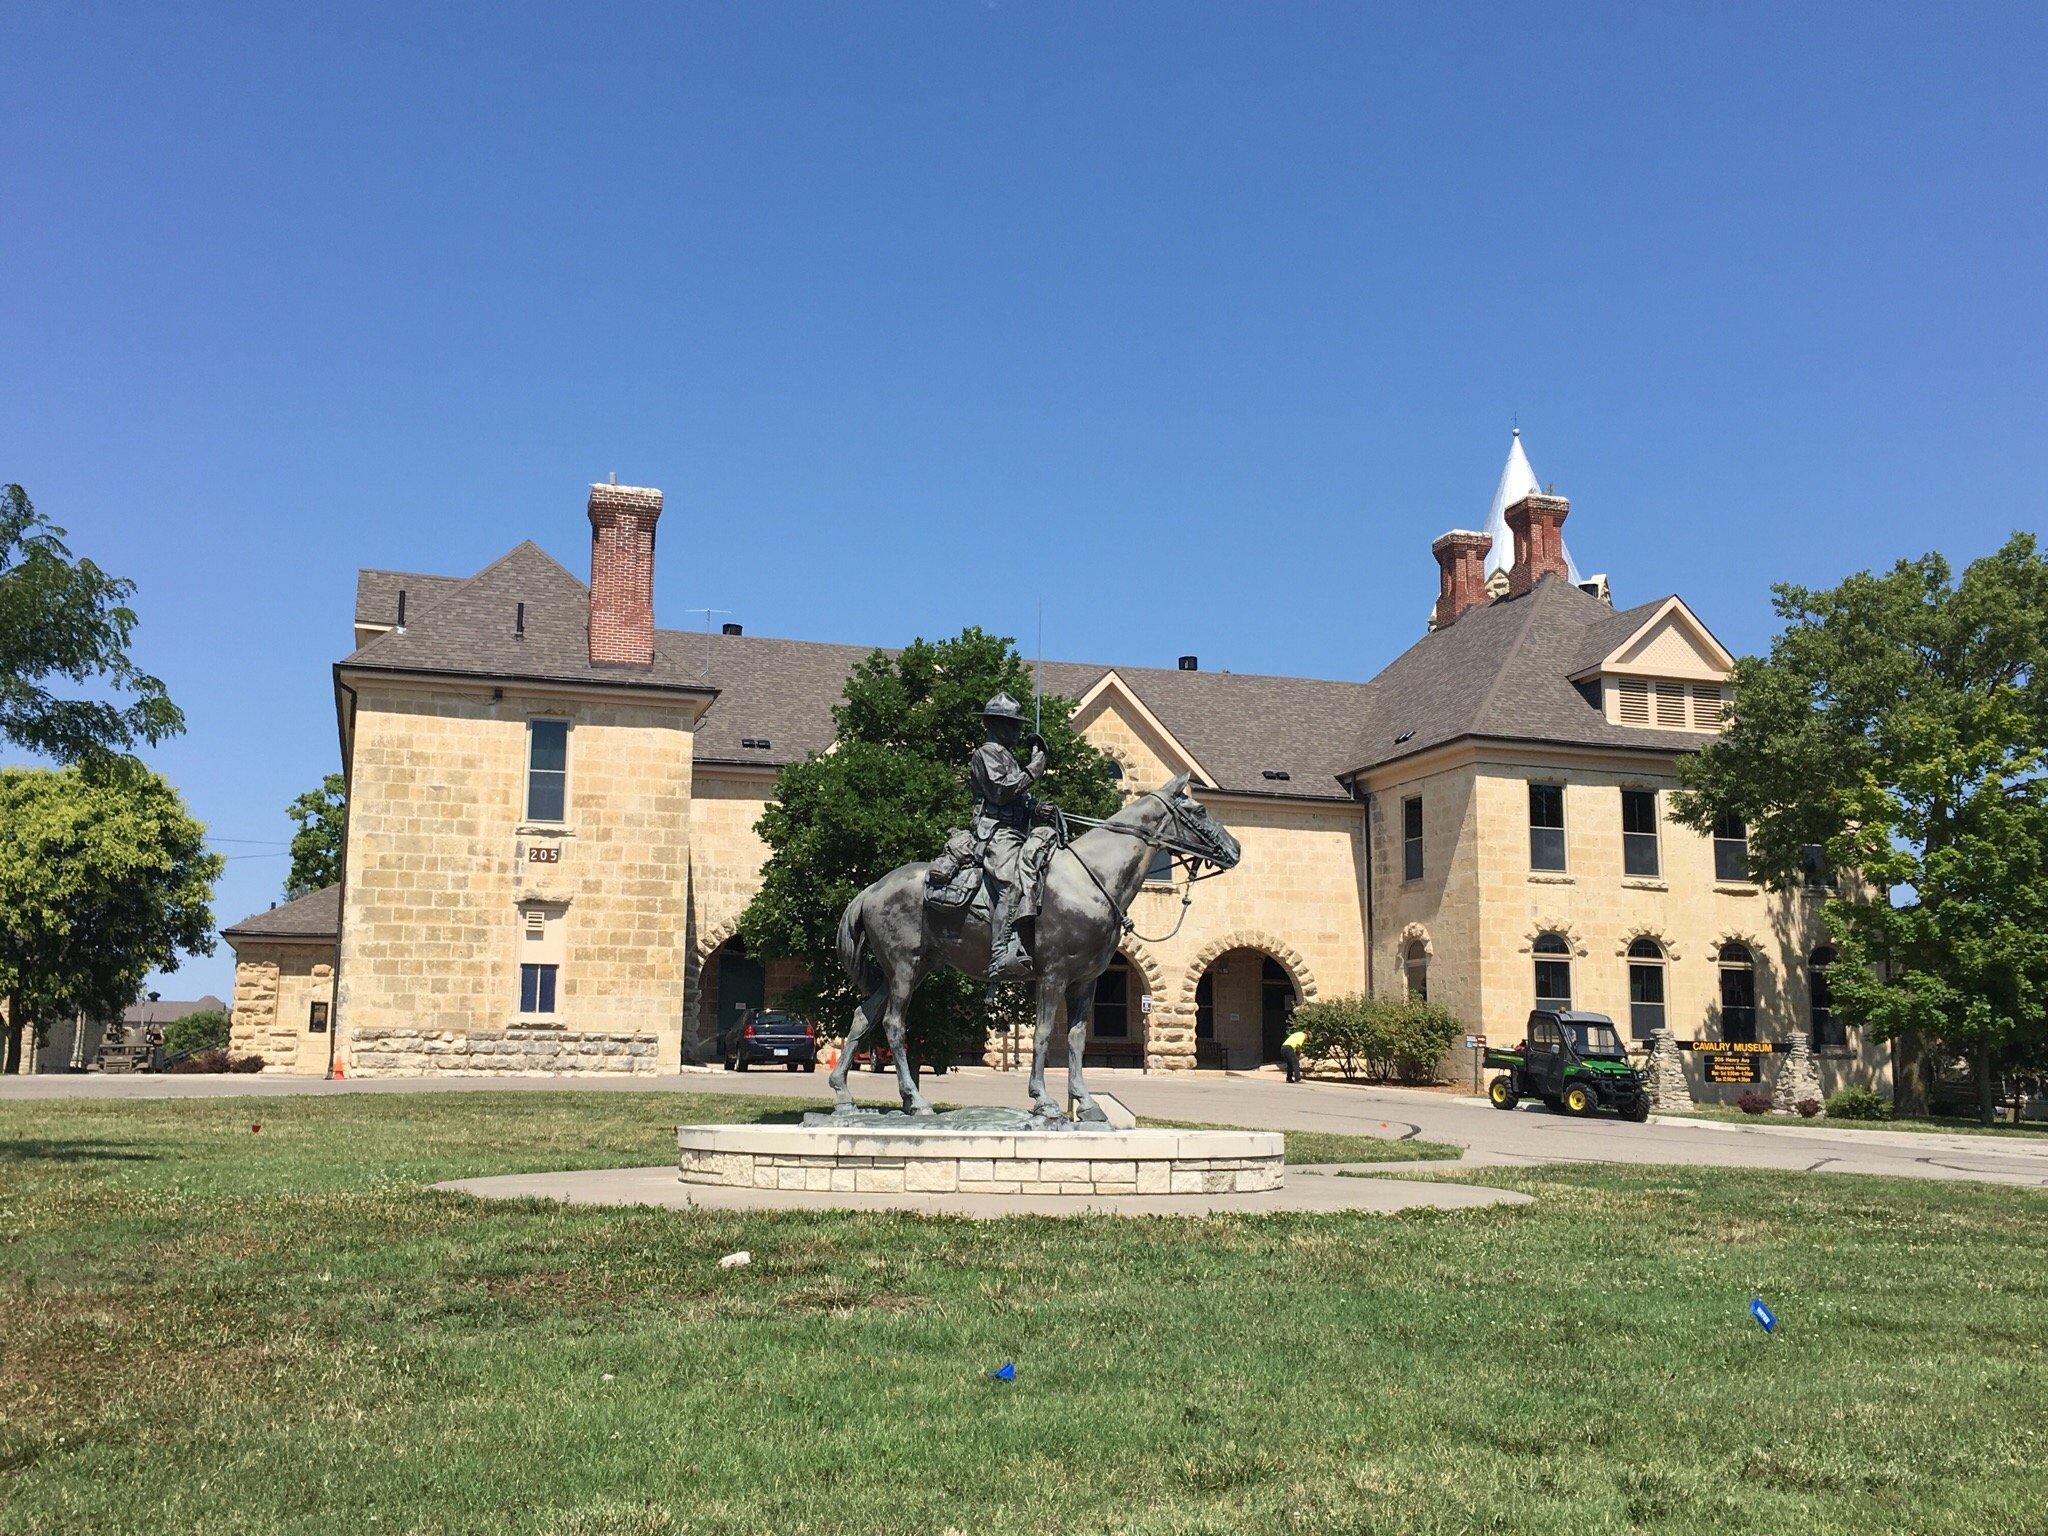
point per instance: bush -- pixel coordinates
(1857, 1104)
(217, 1060)
(1808, 1108)
(1754, 1103)
(201, 1031)
(1378, 1038)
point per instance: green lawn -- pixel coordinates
(1946, 1124)
(213, 1329)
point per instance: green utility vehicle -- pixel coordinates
(1575, 1063)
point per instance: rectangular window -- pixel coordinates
(1411, 838)
(1814, 869)
(547, 770)
(1645, 999)
(1554, 985)
(1639, 832)
(1160, 870)
(1731, 848)
(1546, 826)
(537, 988)
(316, 1019)
(1111, 1019)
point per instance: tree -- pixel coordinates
(104, 877)
(207, 1029)
(1900, 726)
(322, 819)
(66, 619)
(890, 789)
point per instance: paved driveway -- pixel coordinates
(1527, 1135)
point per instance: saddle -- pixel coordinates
(954, 882)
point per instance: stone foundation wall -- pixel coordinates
(945, 1163)
(516, 1052)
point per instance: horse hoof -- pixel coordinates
(919, 1109)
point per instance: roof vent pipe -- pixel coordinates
(1190, 664)
(730, 629)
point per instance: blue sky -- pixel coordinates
(1197, 322)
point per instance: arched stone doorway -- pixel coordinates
(1243, 1000)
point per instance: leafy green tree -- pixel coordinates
(890, 789)
(64, 619)
(206, 1030)
(321, 816)
(104, 877)
(1900, 725)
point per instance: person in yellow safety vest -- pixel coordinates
(1290, 1054)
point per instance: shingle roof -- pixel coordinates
(470, 629)
(377, 594)
(1502, 672)
(316, 915)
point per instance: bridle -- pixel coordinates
(1200, 862)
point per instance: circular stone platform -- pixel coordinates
(869, 1160)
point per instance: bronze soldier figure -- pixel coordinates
(1002, 815)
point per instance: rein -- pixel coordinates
(1195, 860)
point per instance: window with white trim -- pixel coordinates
(1645, 987)
(540, 961)
(1546, 826)
(1639, 852)
(1411, 838)
(547, 770)
(1553, 972)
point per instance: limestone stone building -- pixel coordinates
(552, 806)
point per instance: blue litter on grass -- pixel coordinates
(1766, 1319)
(1007, 1371)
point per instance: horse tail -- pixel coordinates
(854, 958)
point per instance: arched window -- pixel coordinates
(1645, 987)
(1829, 1033)
(1738, 992)
(1415, 962)
(1553, 972)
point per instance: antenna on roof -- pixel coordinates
(615, 477)
(709, 615)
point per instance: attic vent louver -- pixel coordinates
(401, 610)
(519, 621)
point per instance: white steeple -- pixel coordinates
(1517, 480)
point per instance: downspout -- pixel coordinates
(1364, 798)
(347, 726)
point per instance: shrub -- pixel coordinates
(201, 1031)
(1808, 1108)
(1857, 1104)
(1377, 1038)
(1754, 1103)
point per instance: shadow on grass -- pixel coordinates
(32, 1151)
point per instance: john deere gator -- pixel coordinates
(1574, 1062)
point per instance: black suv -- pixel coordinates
(773, 1039)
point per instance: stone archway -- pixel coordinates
(1238, 1012)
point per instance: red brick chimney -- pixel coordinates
(1461, 574)
(1537, 523)
(622, 519)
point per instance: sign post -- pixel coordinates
(1476, 1044)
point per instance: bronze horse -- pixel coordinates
(890, 940)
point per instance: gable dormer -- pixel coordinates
(1669, 674)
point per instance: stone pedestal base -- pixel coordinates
(1666, 1071)
(939, 1162)
(1799, 1078)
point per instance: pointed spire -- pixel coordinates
(1517, 480)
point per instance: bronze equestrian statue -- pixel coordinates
(891, 937)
